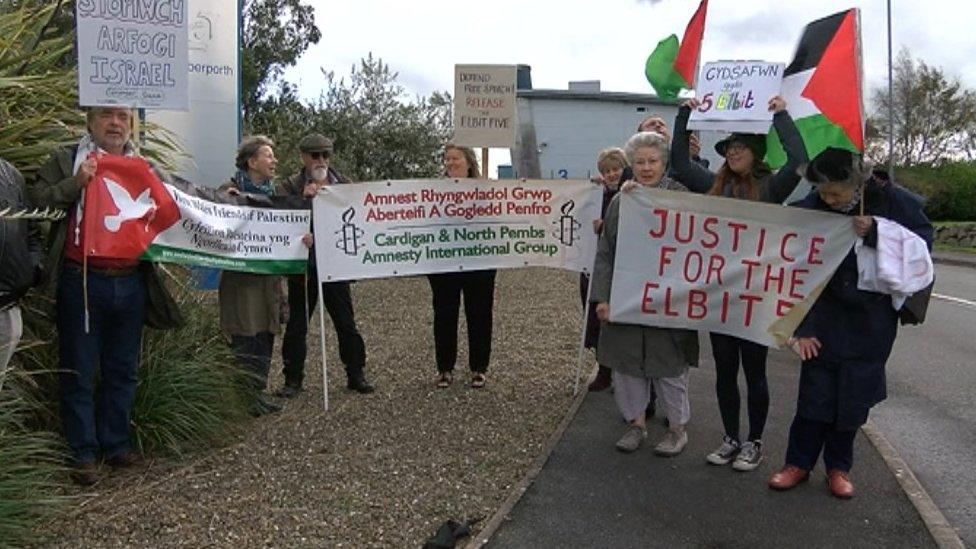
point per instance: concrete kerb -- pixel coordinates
(956, 260)
(513, 498)
(942, 532)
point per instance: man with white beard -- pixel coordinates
(316, 151)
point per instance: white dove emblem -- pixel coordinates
(128, 208)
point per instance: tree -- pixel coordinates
(934, 116)
(275, 34)
(378, 133)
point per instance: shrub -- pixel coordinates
(191, 393)
(949, 190)
(31, 463)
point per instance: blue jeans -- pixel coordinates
(97, 421)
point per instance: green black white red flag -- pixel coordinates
(822, 87)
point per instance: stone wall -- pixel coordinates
(962, 234)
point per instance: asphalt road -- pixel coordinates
(930, 414)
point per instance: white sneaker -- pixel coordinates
(632, 439)
(672, 444)
(724, 454)
(749, 457)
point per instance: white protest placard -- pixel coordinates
(397, 228)
(734, 96)
(132, 53)
(484, 105)
(746, 269)
(233, 238)
(209, 131)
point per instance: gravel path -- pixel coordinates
(382, 470)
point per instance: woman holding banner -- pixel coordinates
(478, 289)
(250, 304)
(642, 355)
(744, 176)
(846, 337)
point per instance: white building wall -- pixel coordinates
(570, 132)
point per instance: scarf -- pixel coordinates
(246, 185)
(855, 200)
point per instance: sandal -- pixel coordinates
(444, 381)
(478, 381)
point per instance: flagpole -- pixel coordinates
(891, 107)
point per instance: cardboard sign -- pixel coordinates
(132, 54)
(484, 105)
(742, 268)
(398, 228)
(734, 96)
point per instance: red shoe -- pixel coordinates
(840, 484)
(788, 477)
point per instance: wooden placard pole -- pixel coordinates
(484, 162)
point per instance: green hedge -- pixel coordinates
(949, 190)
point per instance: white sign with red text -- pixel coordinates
(746, 269)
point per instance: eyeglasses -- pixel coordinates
(319, 155)
(735, 147)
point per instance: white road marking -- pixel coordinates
(957, 300)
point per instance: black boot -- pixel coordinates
(602, 380)
(359, 383)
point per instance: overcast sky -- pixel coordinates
(609, 40)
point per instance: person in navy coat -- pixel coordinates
(846, 337)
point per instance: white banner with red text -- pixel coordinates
(746, 269)
(397, 228)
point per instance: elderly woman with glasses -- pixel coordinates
(642, 355)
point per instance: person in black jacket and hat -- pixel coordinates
(316, 151)
(846, 337)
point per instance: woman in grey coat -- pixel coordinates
(642, 355)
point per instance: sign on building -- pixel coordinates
(209, 131)
(734, 96)
(484, 105)
(132, 54)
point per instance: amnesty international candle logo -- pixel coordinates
(350, 239)
(567, 226)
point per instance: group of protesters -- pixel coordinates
(102, 304)
(844, 340)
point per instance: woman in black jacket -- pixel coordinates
(478, 289)
(745, 176)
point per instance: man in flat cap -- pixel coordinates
(316, 151)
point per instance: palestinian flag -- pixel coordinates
(670, 67)
(822, 88)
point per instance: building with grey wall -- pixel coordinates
(561, 131)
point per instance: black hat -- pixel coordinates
(832, 164)
(315, 142)
(753, 141)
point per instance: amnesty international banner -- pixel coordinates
(397, 228)
(741, 268)
(233, 238)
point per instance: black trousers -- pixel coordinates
(809, 437)
(254, 354)
(303, 295)
(478, 289)
(592, 322)
(727, 351)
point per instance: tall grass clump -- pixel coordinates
(32, 471)
(191, 392)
